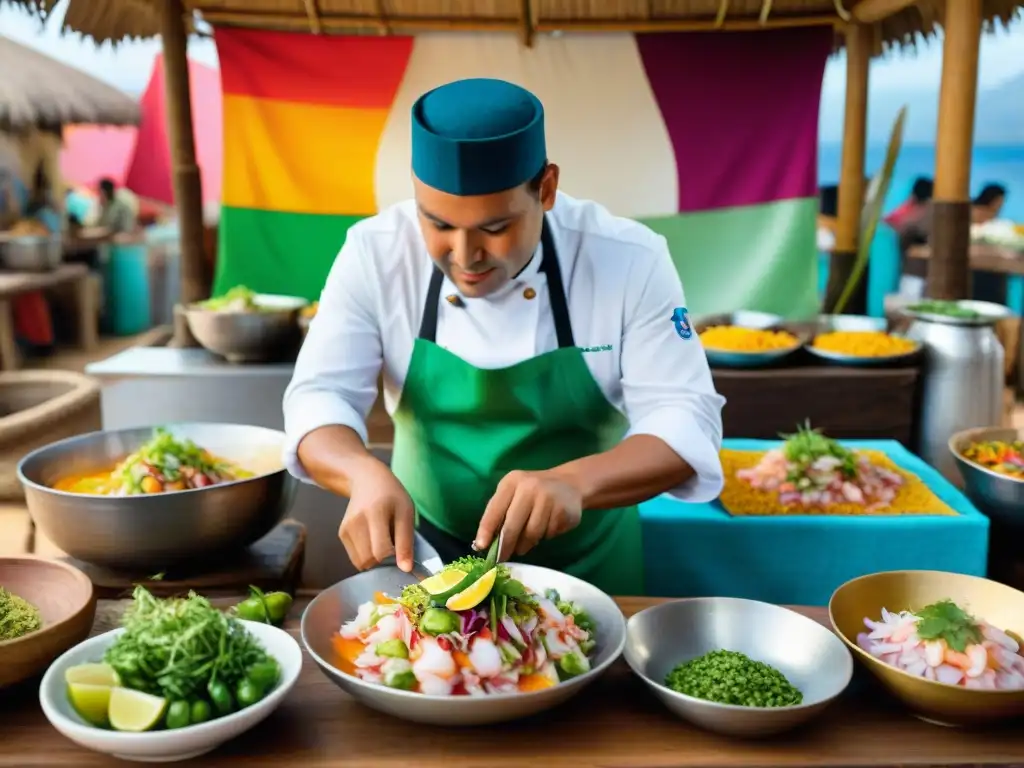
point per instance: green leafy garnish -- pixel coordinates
(176, 647)
(239, 297)
(945, 620)
(415, 599)
(807, 445)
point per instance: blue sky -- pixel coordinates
(128, 66)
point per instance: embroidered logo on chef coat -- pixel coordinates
(681, 320)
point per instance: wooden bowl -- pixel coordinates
(65, 598)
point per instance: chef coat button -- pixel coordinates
(529, 293)
(454, 300)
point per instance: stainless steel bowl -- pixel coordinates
(31, 253)
(1001, 497)
(158, 530)
(810, 656)
(331, 608)
(249, 336)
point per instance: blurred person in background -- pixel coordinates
(117, 212)
(915, 206)
(988, 204)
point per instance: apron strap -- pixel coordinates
(556, 290)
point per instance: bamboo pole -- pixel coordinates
(859, 42)
(870, 11)
(342, 23)
(188, 196)
(949, 267)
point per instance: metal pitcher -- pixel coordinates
(962, 381)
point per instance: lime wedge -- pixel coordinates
(92, 674)
(442, 582)
(134, 711)
(474, 594)
(91, 702)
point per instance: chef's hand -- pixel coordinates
(528, 507)
(379, 520)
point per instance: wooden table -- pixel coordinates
(984, 257)
(13, 284)
(615, 723)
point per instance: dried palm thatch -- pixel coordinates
(39, 92)
(897, 23)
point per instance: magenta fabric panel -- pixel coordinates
(741, 109)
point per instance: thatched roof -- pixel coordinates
(898, 22)
(37, 91)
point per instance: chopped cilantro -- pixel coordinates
(945, 620)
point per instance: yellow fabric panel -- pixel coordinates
(276, 153)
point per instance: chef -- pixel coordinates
(537, 356)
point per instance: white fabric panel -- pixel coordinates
(620, 157)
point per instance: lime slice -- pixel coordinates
(474, 594)
(442, 582)
(91, 702)
(92, 674)
(134, 711)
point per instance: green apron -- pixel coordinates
(460, 429)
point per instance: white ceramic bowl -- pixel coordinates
(164, 746)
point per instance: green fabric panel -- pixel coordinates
(758, 257)
(273, 252)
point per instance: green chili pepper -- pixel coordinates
(200, 711)
(268, 608)
(264, 675)
(221, 698)
(177, 714)
(247, 693)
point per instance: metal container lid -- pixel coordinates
(984, 313)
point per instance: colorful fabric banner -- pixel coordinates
(709, 138)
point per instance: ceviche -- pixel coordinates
(811, 470)
(471, 630)
(1006, 458)
(942, 642)
(164, 463)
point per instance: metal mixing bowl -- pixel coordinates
(1001, 497)
(932, 701)
(157, 530)
(810, 656)
(249, 336)
(331, 608)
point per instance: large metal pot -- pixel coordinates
(963, 377)
(31, 253)
(249, 336)
(154, 531)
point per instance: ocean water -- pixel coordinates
(994, 164)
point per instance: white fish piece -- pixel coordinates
(485, 658)
(387, 628)
(351, 630)
(550, 612)
(979, 660)
(997, 635)
(432, 685)
(934, 651)
(434, 661)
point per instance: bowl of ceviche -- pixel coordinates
(991, 462)
(175, 681)
(477, 643)
(947, 645)
(145, 498)
(245, 326)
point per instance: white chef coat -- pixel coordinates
(622, 289)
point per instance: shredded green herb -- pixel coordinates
(730, 677)
(807, 445)
(945, 620)
(239, 297)
(176, 647)
(18, 617)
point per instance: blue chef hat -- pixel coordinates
(477, 136)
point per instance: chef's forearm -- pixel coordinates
(334, 455)
(637, 469)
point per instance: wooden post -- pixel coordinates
(188, 192)
(949, 274)
(859, 39)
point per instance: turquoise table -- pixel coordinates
(700, 549)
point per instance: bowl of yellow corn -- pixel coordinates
(747, 339)
(860, 341)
